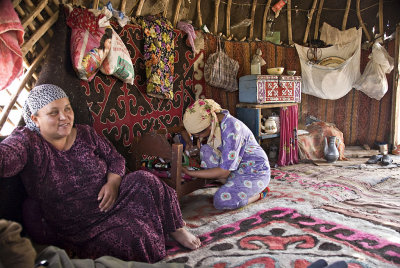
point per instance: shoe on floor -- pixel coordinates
(374, 159)
(386, 160)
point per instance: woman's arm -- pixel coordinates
(109, 192)
(211, 173)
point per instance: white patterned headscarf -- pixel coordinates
(199, 116)
(39, 97)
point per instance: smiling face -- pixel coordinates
(55, 120)
(203, 134)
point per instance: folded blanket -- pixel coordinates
(11, 38)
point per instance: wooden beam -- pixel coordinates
(123, 6)
(394, 136)
(253, 13)
(139, 9)
(264, 20)
(38, 34)
(27, 76)
(289, 22)
(199, 17)
(228, 18)
(177, 12)
(34, 13)
(346, 15)
(361, 21)
(165, 13)
(216, 10)
(316, 27)
(381, 30)
(310, 16)
(95, 4)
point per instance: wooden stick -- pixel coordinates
(228, 18)
(123, 6)
(38, 34)
(139, 9)
(361, 21)
(199, 18)
(310, 16)
(264, 20)
(177, 10)
(381, 30)
(27, 76)
(316, 27)
(165, 13)
(289, 22)
(394, 136)
(34, 13)
(95, 4)
(253, 12)
(16, 3)
(216, 8)
(346, 15)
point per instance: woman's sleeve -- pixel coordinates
(115, 161)
(14, 153)
(232, 145)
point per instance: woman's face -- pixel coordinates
(107, 44)
(203, 134)
(55, 120)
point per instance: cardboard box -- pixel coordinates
(269, 88)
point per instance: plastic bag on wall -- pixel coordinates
(373, 81)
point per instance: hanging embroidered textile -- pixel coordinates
(335, 74)
(159, 55)
(288, 150)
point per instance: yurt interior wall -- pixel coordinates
(242, 23)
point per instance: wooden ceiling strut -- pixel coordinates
(253, 13)
(361, 21)
(177, 11)
(316, 27)
(346, 15)
(380, 12)
(264, 20)
(228, 18)
(310, 16)
(199, 18)
(139, 9)
(165, 13)
(38, 34)
(122, 6)
(34, 13)
(27, 76)
(216, 10)
(95, 4)
(289, 22)
(16, 3)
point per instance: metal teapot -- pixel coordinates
(331, 152)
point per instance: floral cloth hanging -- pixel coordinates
(159, 55)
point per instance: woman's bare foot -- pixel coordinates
(186, 239)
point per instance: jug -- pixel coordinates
(331, 152)
(270, 126)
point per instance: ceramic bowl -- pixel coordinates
(291, 72)
(275, 71)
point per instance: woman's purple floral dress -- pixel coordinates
(66, 185)
(244, 157)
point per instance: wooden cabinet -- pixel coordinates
(251, 114)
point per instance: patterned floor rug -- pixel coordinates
(287, 229)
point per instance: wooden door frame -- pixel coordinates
(395, 122)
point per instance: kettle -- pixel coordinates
(270, 126)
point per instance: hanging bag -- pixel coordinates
(221, 71)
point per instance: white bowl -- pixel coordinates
(275, 71)
(290, 72)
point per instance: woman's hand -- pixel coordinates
(109, 192)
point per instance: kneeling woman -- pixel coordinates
(231, 154)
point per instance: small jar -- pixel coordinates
(270, 126)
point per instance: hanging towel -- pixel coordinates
(288, 150)
(11, 38)
(331, 82)
(333, 36)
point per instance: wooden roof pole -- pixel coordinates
(310, 15)
(228, 18)
(289, 22)
(177, 11)
(139, 9)
(199, 18)
(253, 13)
(95, 4)
(123, 6)
(216, 9)
(165, 13)
(361, 21)
(316, 27)
(27, 76)
(346, 15)
(34, 13)
(381, 30)
(264, 20)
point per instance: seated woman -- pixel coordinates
(231, 154)
(78, 179)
